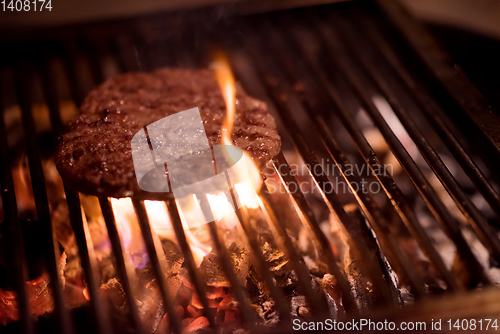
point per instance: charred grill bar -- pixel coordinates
(12, 230)
(296, 69)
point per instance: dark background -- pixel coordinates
(468, 29)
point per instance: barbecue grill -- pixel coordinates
(399, 154)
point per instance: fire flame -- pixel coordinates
(226, 83)
(247, 195)
(124, 214)
(219, 205)
(190, 212)
(161, 224)
(250, 174)
(22, 188)
(86, 293)
(159, 218)
(244, 173)
(130, 234)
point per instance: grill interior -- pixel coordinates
(383, 141)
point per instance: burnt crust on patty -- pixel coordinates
(95, 156)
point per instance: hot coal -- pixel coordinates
(95, 222)
(147, 294)
(213, 274)
(39, 297)
(33, 246)
(220, 296)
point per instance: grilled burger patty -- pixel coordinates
(95, 156)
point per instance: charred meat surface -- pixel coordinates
(95, 155)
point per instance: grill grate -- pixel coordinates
(316, 68)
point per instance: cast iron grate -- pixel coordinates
(316, 68)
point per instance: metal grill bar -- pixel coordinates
(88, 260)
(157, 264)
(199, 284)
(80, 228)
(122, 48)
(247, 313)
(309, 221)
(377, 220)
(226, 265)
(73, 61)
(437, 119)
(11, 227)
(127, 278)
(50, 95)
(82, 48)
(316, 102)
(469, 210)
(57, 127)
(317, 107)
(52, 254)
(375, 272)
(305, 214)
(453, 81)
(288, 179)
(450, 225)
(263, 267)
(316, 302)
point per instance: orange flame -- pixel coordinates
(246, 195)
(222, 210)
(129, 230)
(247, 172)
(160, 222)
(124, 216)
(86, 293)
(198, 249)
(22, 188)
(219, 205)
(192, 218)
(159, 218)
(226, 82)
